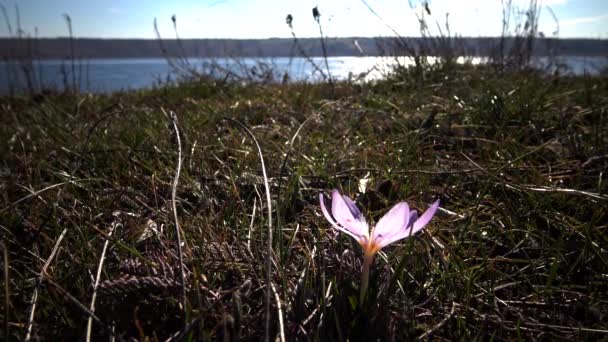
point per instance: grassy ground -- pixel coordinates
(519, 250)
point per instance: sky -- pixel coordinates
(266, 19)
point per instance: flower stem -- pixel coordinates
(367, 262)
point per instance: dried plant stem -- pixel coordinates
(178, 229)
(251, 225)
(303, 53)
(30, 321)
(269, 203)
(324, 48)
(96, 284)
(280, 313)
(6, 292)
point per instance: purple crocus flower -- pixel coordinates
(399, 223)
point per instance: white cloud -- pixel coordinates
(114, 10)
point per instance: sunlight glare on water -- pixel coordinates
(109, 75)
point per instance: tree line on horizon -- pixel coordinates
(60, 48)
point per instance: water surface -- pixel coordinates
(109, 75)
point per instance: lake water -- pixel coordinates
(109, 75)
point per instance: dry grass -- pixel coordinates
(518, 251)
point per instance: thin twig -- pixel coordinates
(6, 292)
(30, 321)
(280, 313)
(178, 229)
(269, 202)
(96, 284)
(251, 225)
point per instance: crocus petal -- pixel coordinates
(353, 208)
(413, 216)
(331, 219)
(352, 220)
(412, 227)
(391, 223)
(426, 217)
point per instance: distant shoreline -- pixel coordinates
(101, 48)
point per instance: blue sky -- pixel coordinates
(265, 19)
